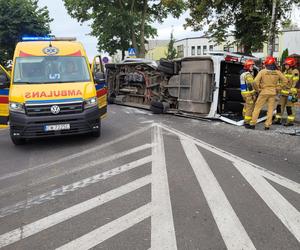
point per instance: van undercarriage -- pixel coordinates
(200, 87)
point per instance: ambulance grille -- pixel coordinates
(45, 110)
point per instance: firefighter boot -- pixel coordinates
(278, 115)
(290, 118)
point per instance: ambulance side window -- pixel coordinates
(4, 80)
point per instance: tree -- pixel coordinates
(248, 20)
(171, 53)
(18, 18)
(284, 55)
(119, 25)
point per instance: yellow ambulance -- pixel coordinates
(53, 90)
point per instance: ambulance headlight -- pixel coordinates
(16, 107)
(91, 102)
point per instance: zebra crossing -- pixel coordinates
(158, 210)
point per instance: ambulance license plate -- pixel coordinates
(57, 127)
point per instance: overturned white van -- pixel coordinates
(199, 86)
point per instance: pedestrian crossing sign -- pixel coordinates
(131, 52)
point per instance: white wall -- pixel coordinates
(291, 40)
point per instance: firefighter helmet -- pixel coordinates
(248, 64)
(290, 61)
(270, 60)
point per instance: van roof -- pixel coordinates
(42, 48)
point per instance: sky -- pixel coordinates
(64, 25)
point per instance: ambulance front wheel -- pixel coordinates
(97, 131)
(16, 140)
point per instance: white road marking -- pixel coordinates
(292, 185)
(68, 213)
(43, 179)
(231, 229)
(162, 225)
(148, 121)
(286, 212)
(109, 230)
(76, 155)
(40, 199)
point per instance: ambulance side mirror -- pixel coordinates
(4, 81)
(99, 77)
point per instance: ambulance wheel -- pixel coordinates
(17, 141)
(97, 133)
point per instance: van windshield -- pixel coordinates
(50, 69)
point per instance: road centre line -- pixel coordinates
(43, 179)
(109, 230)
(162, 225)
(40, 199)
(230, 227)
(285, 211)
(283, 181)
(76, 155)
(68, 213)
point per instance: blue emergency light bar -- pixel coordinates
(37, 38)
(47, 38)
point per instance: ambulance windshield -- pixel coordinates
(50, 69)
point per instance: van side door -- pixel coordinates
(100, 84)
(4, 92)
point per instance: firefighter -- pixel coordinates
(267, 84)
(247, 90)
(288, 94)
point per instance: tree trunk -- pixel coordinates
(142, 50)
(247, 50)
(133, 37)
(123, 54)
(272, 29)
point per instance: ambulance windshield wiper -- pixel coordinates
(57, 82)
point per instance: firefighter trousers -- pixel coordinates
(261, 101)
(285, 103)
(248, 107)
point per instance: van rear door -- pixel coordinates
(4, 91)
(100, 84)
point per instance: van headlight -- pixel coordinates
(16, 107)
(91, 102)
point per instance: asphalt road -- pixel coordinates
(152, 182)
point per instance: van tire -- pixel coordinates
(166, 63)
(111, 100)
(164, 69)
(97, 133)
(157, 107)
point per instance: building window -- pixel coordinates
(193, 50)
(211, 47)
(260, 50)
(276, 44)
(180, 51)
(198, 50)
(229, 48)
(204, 49)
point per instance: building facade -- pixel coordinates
(196, 46)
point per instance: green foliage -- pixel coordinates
(171, 53)
(284, 55)
(18, 18)
(249, 21)
(119, 25)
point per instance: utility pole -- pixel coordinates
(271, 38)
